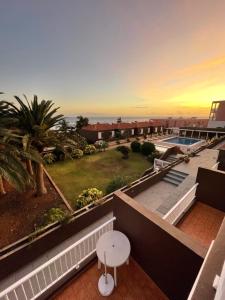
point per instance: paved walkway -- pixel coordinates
(157, 140)
(206, 159)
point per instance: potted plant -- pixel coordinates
(186, 159)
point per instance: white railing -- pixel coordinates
(45, 276)
(177, 211)
(219, 285)
(159, 163)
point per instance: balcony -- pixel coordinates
(78, 262)
(133, 284)
(202, 223)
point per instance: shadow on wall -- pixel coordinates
(211, 189)
(165, 253)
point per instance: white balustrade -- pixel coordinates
(159, 163)
(178, 210)
(219, 285)
(45, 276)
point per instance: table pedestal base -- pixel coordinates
(104, 288)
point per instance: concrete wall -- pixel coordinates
(166, 254)
(211, 188)
(215, 124)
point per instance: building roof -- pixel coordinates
(169, 122)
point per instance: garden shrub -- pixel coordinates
(59, 153)
(49, 158)
(135, 146)
(80, 140)
(147, 148)
(77, 153)
(89, 149)
(186, 159)
(116, 183)
(118, 134)
(152, 156)
(124, 150)
(54, 215)
(88, 196)
(118, 148)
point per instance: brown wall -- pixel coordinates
(221, 160)
(165, 253)
(11, 262)
(211, 188)
(171, 151)
(220, 113)
(146, 183)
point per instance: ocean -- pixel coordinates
(93, 120)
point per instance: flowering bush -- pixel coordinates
(77, 153)
(88, 196)
(101, 145)
(89, 149)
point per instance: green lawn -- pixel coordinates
(73, 176)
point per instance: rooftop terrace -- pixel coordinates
(162, 196)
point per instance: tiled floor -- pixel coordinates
(133, 284)
(202, 223)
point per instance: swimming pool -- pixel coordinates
(182, 141)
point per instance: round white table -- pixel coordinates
(116, 246)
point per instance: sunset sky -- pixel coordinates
(115, 57)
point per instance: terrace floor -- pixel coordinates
(202, 223)
(206, 159)
(133, 284)
(155, 196)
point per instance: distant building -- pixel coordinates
(217, 115)
(105, 131)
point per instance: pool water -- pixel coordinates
(182, 141)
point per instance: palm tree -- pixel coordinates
(81, 122)
(35, 119)
(11, 167)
